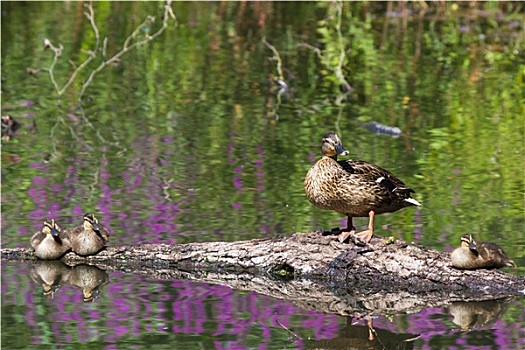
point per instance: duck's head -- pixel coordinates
(332, 146)
(468, 241)
(91, 222)
(51, 228)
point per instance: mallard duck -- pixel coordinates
(354, 188)
(88, 238)
(50, 242)
(475, 255)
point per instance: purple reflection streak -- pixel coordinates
(259, 167)
(230, 345)
(229, 152)
(312, 157)
(418, 230)
(30, 315)
(120, 330)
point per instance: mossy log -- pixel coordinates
(308, 267)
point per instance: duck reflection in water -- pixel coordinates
(89, 279)
(480, 314)
(51, 275)
(366, 337)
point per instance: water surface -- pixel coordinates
(192, 138)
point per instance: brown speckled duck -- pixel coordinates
(354, 188)
(476, 255)
(88, 238)
(50, 243)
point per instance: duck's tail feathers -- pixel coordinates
(413, 201)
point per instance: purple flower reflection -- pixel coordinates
(237, 206)
(237, 183)
(39, 181)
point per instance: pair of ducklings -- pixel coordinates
(360, 189)
(52, 242)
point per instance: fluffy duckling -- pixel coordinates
(50, 242)
(475, 255)
(354, 188)
(88, 238)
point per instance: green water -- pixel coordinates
(189, 137)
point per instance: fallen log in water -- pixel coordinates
(399, 269)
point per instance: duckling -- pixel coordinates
(88, 238)
(50, 243)
(354, 188)
(472, 255)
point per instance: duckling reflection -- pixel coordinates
(88, 278)
(471, 315)
(50, 274)
(366, 337)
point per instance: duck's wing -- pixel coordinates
(71, 232)
(492, 252)
(373, 173)
(36, 239)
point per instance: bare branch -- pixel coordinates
(98, 50)
(127, 46)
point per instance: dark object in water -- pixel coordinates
(9, 126)
(381, 129)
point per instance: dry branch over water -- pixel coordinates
(308, 266)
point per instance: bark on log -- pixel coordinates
(316, 272)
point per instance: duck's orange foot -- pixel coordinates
(343, 236)
(363, 237)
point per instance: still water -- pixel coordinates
(206, 133)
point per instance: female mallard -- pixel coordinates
(88, 238)
(472, 255)
(50, 242)
(354, 188)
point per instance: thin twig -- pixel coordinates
(275, 57)
(287, 329)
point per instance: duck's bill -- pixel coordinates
(340, 150)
